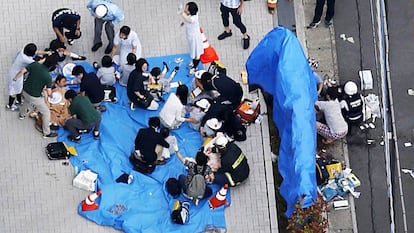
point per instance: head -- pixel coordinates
(30, 50)
(57, 45)
(165, 132)
(201, 158)
(60, 80)
(70, 94)
(203, 104)
(220, 144)
(154, 122)
(155, 72)
(214, 123)
(124, 32)
(350, 88)
(50, 62)
(182, 94)
(141, 65)
(106, 61)
(131, 58)
(101, 11)
(332, 93)
(79, 71)
(206, 78)
(192, 8)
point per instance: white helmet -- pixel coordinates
(350, 88)
(221, 142)
(214, 123)
(204, 104)
(100, 11)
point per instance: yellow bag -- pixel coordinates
(334, 169)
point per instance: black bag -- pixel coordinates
(57, 150)
(140, 166)
(217, 68)
(144, 103)
(322, 175)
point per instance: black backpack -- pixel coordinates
(197, 185)
(322, 175)
(173, 187)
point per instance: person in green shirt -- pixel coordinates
(37, 85)
(84, 116)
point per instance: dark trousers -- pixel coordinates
(70, 35)
(225, 14)
(109, 30)
(73, 125)
(330, 11)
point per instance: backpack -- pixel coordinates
(322, 175)
(197, 186)
(216, 68)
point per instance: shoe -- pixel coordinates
(328, 23)
(176, 69)
(160, 162)
(96, 46)
(71, 41)
(54, 127)
(51, 135)
(166, 66)
(191, 72)
(80, 58)
(190, 65)
(314, 25)
(38, 128)
(74, 139)
(96, 134)
(108, 49)
(19, 102)
(246, 42)
(224, 35)
(132, 106)
(21, 117)
(12, 108)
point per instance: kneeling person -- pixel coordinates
(84, 116)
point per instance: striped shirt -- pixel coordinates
(231, 3)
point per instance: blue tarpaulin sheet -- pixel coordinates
(144, 205)
(279, 65)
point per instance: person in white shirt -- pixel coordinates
(126, 42)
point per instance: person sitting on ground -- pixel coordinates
(149, 144)
(107, 76)
(232, 126)
(83, 116)
(352, 105)
(214, 157)
(197, 112)
(172, 141)
(234, 166)
(126, 69)
(194, 167)
(230, 91)
(59, 50)
(336, 126)
(136, 91)
(155, 80)
(90, 86)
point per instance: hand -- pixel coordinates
(78, 32)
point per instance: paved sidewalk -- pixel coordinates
(319, 43)
(37, 194)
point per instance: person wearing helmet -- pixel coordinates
(65, 18)
(352, 104)
(108, 13)
(335, 126)
(234, 166)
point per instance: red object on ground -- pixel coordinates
(220, 198)
(209, 54)
(89, 203)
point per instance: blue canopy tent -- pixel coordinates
(279, 65)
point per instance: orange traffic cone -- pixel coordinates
(89, 202)
(219, 199)
(209, 54)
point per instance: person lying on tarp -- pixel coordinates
(230, 91)
(149, 146)
(234, 167)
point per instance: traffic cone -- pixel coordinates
(209, 54)
(219, 199)
(89, 203)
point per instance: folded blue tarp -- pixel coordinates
(280, 67)
(144, 205)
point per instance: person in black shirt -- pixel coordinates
(68, 19)
(90, 86)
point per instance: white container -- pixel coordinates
(85, 180)
(366, 79)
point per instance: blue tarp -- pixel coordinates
(279, 65)
(144, 205)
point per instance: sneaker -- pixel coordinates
(114, 100)
(96, 134)
(39, 128)
(54, 127)
(70, 41)
(96, 65)
(74, 139)
(160, 162)
(314, 25)
(80, 58)
(224, 35)
(132, 106)
(19, 102)
(108, 49)
(12, 108)
(166, 66)
(96, 46)
(51, 135)
(328, 23)
(21, 117)
(191, 72)
(246, 42)
(190, 65)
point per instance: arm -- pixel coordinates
(180, 156)
(114, 50)
(20, 73)
(78, 31)
(59, 34)
(240, 9)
